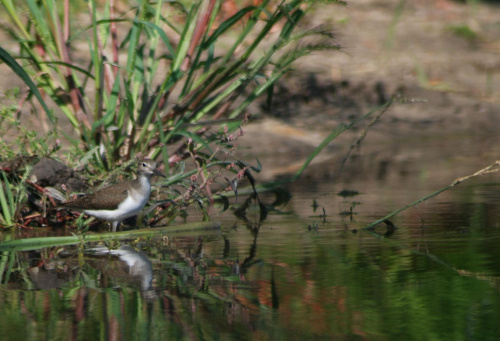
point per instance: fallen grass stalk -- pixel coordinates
(28, 244)
(494, 167)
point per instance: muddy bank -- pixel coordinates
(441, 57)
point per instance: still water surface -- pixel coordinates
(297, 275)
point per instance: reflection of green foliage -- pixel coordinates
(299, 287)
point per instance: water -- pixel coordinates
(297, 275)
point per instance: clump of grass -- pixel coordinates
(465, 32)
(12, 199)
(121, 103)
(161, 78)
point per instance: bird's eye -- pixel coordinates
(144, 164)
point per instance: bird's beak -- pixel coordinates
(157, 172)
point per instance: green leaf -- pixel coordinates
(291, 23)
(40, 22)
(185, 39)
(258, 168)
(162, 34)
(6, 209)
(227, 25)
(225, 202)
(71, 66)
(10, 62)
(196, 138)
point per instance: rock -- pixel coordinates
(49, 172)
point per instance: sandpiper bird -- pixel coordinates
(119, 201)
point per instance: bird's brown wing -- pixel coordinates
(105, 199)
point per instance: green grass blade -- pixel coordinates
(334, 134)
(98, 23)
(28, 244)
(226, 25)
(169, 82)
(196, 138)
(185, 40)
(6, 209)
(40, 23)
(218, 99)
(161, 33)
(10, 62)
(155, 32)
(107, 120)
(9, 6)
(164, 147)
(4, 258)
(6, 262)
(246, 31)
(10, 198)
(71, 66)
(96, 61)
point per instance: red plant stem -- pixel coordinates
(41, 190)
(37, 187)
(33, 216)
(39, 47)
(42, 53)
(25, 227)
(114, 37)
(207, 188)
(200, 29)
(108, 79)
(66, 21)
(21, 103)
(222, 110)
(154, 220)
(64, 55)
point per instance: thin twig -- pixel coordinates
(486, 170)
(362, 135)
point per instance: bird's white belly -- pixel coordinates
(129, 208)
